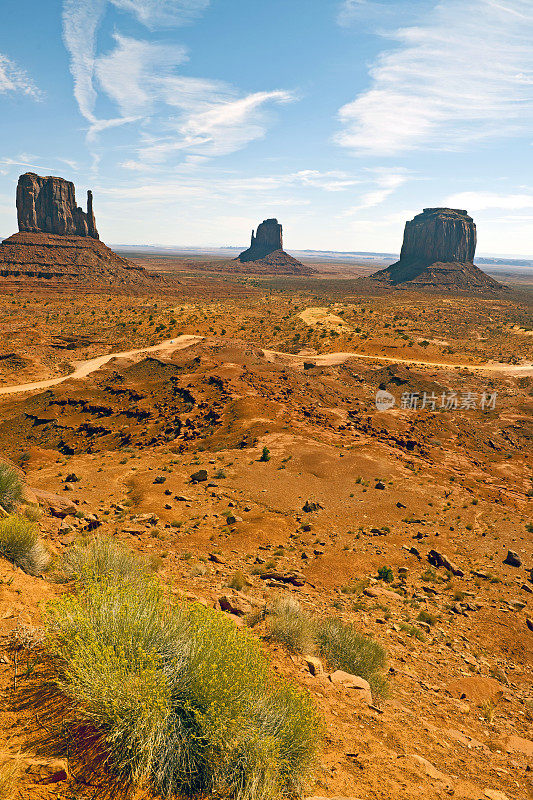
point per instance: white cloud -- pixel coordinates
(386, 182)
(482, 201)
(14, 79)
(464, 74)
(179, 115)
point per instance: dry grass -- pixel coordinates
(10, 487)
(20, 543)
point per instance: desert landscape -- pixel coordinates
(266, 400)
(340, 465)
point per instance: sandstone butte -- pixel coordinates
(58, 241)
(438, 253)
(266, 254)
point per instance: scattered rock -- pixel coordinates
(440, 560)
(293, 578)
(199, 476)
(216, 559)
(71, 478)
(311, 506)
(341, 678)
(512, 559)
(431, 771)
(314, 665)
(160, 479)
(235, 604)
(379, 485)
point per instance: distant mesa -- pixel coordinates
(58, 241)
(438, 253)
(266, 254)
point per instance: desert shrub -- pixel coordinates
(238, 581)
(291, 625)
(265, 454)
(412, 630)
(427, 617)
(20, 543)
(386, 574)
(343, 647)
(100, 558)
(9, 775)
(185, 701)
(10, 487)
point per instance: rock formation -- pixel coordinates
(269, 238)
(48, 205)
(266, 254)
(438, 252)
(57, 241)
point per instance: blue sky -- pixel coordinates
(193, 120)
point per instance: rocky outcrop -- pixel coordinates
(71, 259)
(48, 205)
(437, 253)
(266, 255)
(268, 239)
(439, 235)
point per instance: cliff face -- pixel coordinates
(48, 205)
(438, 254)
(439, 235)
(268, 239)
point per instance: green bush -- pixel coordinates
(291, 625)
(238, 581)
(185, 701)
(10, 487)
(386, 574)
(343, 647)
(265, 455)
(100, 558)
(20, 543)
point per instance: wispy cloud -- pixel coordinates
(482, 201)
(464, 74)
(386, 182)
(192, 118)
(14, 79)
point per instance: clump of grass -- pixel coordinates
(10, 487)
(427, 617)
(181, 701)
(20, 543)
(100, 559)
(291, 625)
(412, 630)
(9, 775)
(238, 581)
(343, 647)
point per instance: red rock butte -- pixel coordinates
(58, 241)
(438, 253)
(266, 254)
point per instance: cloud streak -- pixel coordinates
(465, 74)
(180, 116)
(13, 80)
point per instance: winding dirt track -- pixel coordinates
(85, 368)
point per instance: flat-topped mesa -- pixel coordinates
(443, 235)
(268, 239)
(48, 205)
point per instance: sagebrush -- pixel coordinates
(20, 543)
(11, 487)
(184, 700)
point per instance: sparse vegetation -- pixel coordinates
(291, 625)
(100, 559)
(183, 701)
(10, 487)
(343, 647)
(386, 574)
(265, 455)
(20, 543)
(238, 581)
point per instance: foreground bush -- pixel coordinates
(343, 647)
(20, 543)
(10, 487)
(184, 700)
(98, 559)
